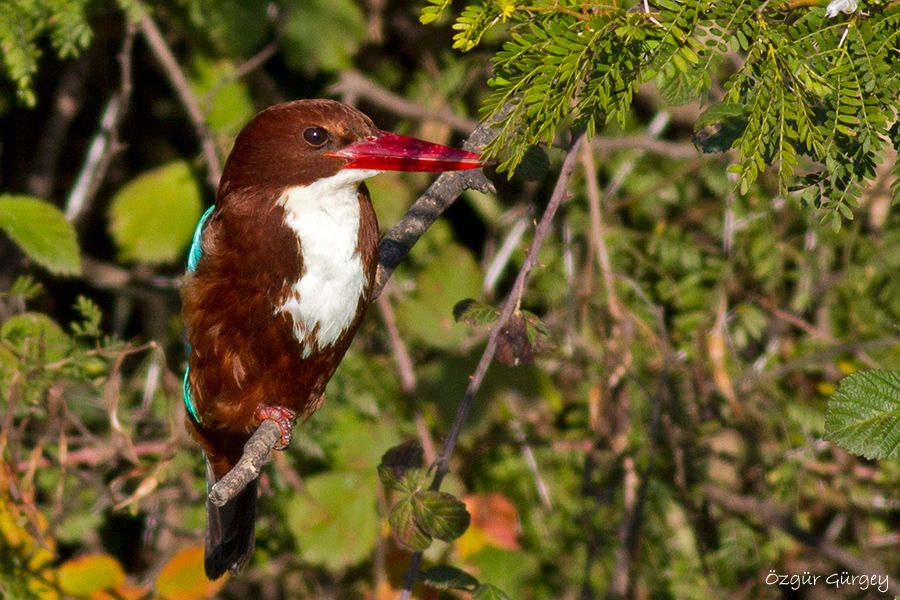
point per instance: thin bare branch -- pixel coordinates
(510, 306)
(105, 145)
(353, 85)
(179, 82)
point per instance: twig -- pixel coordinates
(441, 465)
(244, 69)
(69, 97)
(256, 452)
(105, 144)
(353, 85)
(773, 515)
(408, 382)
(647, 143)
(179, 83)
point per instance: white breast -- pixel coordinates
(325, 217)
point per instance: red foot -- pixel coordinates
(284, 417)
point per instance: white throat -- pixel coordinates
(325, 217)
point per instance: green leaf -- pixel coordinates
(401, 466)
(36, 335)
(152, 218)
(474, 312)
(486, 591)
(225, 99)
(445, 577)
(406, 528)
(355, 441)
(323, 35)
(440, 515)
(334, 523)
(42, 232)
(426, 315)
(863, 415)
(89, 574)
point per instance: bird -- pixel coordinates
(279, 274)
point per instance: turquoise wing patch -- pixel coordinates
(194, 255)
(188, 400)
(196, 250)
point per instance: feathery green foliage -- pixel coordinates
(808, 87)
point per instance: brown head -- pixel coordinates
(299, 142)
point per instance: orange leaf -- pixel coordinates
(495, 522)
(183, 578)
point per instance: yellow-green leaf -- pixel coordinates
(42, 232)
(86, 575)
(152, 218)
(335, 523)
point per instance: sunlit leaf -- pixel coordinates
(35, 334)
(88, 574)
(183, 577)
(334, 523)
(152, 218)
(474, 312)
(323, 35)
(42, 232)
(426, 315)
(398, 463)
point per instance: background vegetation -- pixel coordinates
(657, 426)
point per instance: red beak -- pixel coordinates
(386, 151)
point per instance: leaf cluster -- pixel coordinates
(805, 86)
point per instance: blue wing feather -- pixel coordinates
(196, 250)
(194, 255)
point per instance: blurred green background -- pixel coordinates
(668, 441)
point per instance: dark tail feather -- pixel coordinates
(230, 531)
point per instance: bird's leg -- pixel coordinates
(284, 417)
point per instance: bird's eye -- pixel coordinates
(315, 136)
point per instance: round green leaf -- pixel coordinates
(152, 218)
(426, 315)
(42, 232)
(335, 523)
(440, 515)
(88, 574)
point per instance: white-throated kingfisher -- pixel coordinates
(280, 272)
